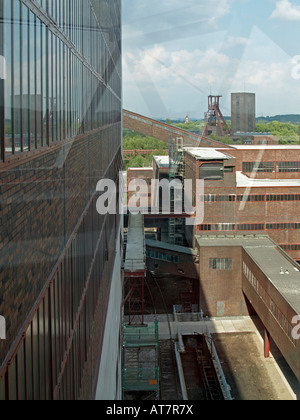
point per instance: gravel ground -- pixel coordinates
(249, 374)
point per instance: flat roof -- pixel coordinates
(252, 133)
(162, 161)
(265, 146)
(141, 169)
(243, 180)
(269, 257)
(206, 153)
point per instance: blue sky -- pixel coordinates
(176, 53)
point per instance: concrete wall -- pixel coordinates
(245, 112)
(109, 386)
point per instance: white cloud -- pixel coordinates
(286, 10)
(182, 78)
(168, 68)
(235, 41)
(150, 22)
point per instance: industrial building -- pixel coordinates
(243, 112)
(243, 257)
(249, 190)
(60, 120)
(72, 286)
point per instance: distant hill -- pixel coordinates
(290, 118)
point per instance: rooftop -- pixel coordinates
(141, 169)
(266, 146)
(162, 161)
(244, 181)
(245, 134)
(206, 153)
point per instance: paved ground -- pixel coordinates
(249, 374)
(240, 347)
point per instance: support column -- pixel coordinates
(267, 344)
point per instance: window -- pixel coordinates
(162, 256)
(220, 263)
(211, 171)
(54, 91)
(258, 166)
(288, 166)
(251, 197)
(283, 197)
(251, 226)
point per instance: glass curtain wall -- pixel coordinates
(62, 79)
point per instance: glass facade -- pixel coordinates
(60, 128)
(62, 76)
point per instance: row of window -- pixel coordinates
(157, 255)
(279, 226)
(291, 247)
(51, 92)
(271, 167)
(74, 20)
(220, 263)
(270, 304)
(258, 166)
(217, 227)
(248, 226)
(213, 198)
(61, 328)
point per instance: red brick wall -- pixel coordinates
(269, 154)
(221, 285)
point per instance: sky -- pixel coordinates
(177, 52)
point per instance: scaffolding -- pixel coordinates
(140, 359)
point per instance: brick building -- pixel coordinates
(242, 274)
(60, 120)
(249, 189)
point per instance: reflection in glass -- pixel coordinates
(54, 92)
(8, 81)
(16, 88)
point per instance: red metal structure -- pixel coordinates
(214, 116)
